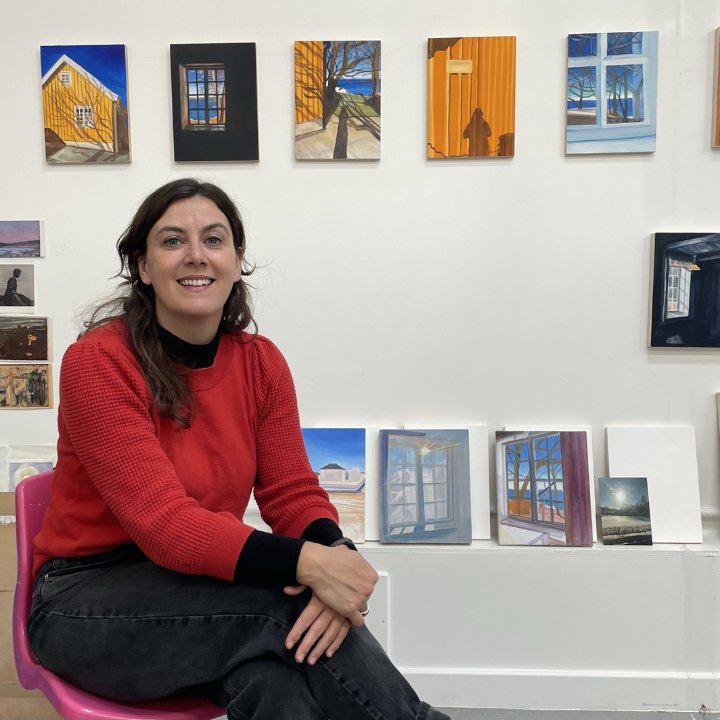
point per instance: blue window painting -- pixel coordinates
(611, 92)
(543, 488)
(425, 486)
(205, 93)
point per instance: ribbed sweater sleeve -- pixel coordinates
(106, 412)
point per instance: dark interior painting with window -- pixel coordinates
(214, 99)
(611, 92)
(543, 488)
(686, 290)
(425, 486)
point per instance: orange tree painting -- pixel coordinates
(84, 91)
(337, 100)
(471, 97)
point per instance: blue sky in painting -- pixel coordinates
(344, 446)
(622, 492)
(105, 62)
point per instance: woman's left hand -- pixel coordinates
(321, 628)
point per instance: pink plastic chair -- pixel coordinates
(31, 499)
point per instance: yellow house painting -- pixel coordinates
(84, 120)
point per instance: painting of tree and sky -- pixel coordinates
(337, 100)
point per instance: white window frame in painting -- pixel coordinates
(84, 116)
(65, 77)
(677, 304)
(602, 129)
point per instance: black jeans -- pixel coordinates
(120, 626)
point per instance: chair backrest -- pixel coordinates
(32, 497)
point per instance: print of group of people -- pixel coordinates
(26, 390)
(12, 296)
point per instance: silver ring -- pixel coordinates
(365, 611)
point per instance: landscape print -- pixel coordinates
(425, 486)
(337, 456)
(23, 339)
(685, 308)
(20, 238)
(337, 100)
(471, 97)
(543, 488)
(625, 511)
(214, 101)
(84, 93)
(611, 92)
(25, 386)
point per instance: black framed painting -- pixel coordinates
(214, 102)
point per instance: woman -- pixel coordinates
(170, 415)
(12, 296)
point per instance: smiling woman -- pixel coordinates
(171, 415)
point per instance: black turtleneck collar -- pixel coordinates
(187, 354)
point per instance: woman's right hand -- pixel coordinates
(339, 576)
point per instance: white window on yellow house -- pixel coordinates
(65, 78)
(84, 116)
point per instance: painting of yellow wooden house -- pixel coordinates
(84, 91)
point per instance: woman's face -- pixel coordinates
(191, 263)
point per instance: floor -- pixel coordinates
(490, 714)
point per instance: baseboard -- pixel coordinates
(565, 689)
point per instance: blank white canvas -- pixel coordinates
(666, 456)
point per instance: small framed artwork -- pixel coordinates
(84, 93)
(685, 308)
(21, 239)
(625, 511)
(337, 100)
(24, 338)
(22, 469)
(214, 101)
(471, 97)
(25, 387)
(17, 285)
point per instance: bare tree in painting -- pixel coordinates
(582, 85)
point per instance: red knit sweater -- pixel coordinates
(127, 474)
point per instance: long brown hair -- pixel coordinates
(135, 301)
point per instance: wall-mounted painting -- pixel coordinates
(17, 283)
(471, 97)
(84, 91)
(25, 386)
(685, 290)
(337, 100)
(716, 94)
(611, 103)
(21, 238)
(23, 338)
(214, 101)
(543, 488)
(337, 456)
(425, 486)
(625, 511)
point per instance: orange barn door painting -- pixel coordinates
(471, 97)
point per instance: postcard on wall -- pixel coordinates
(214, 101)
(21, 239)
(611, 103)
(20, 461)
(25, 386)
(543, 488)
(625, 511)
(667, 457)
(471, 97)
(337, 457)
(685, 309)
(17, 283)
(85, 101)
(716, 94)
(23, 338)
(337, 100)
(425, 486)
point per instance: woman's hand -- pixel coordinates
(341, 578)
(322, 629)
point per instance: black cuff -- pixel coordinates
(268, 559)
(322, 531)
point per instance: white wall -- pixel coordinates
(506, 292)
